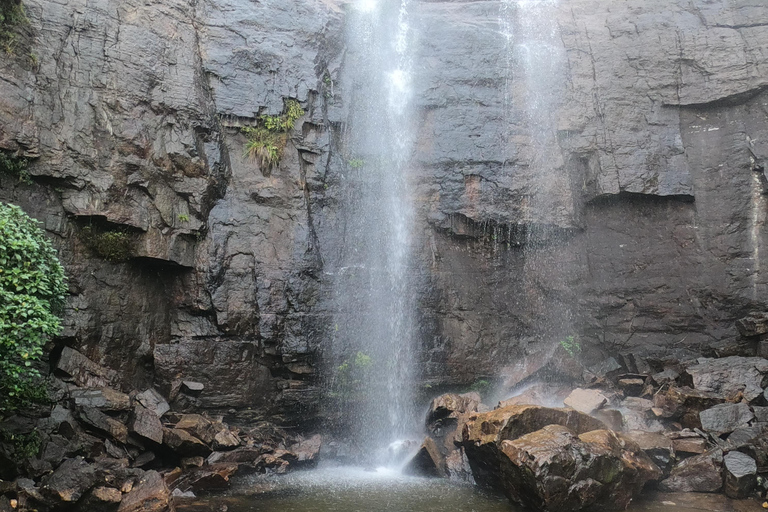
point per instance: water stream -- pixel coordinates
(371, 359)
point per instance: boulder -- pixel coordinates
(153, 401)
(183, 443)
(199, 426)
(483, 433)
(730, 376)
(145, 423)
(632, 386)
(428, 461)
(307, 450)
(244, 454)
(587, 401)
(553, 469)
(761, 414)
(103, 423)
(690, 445)
(150, 494)
(657, 447)
(684, 404)
(101, 499)
(702, 473)
(725, 418)
(450, 406)
(740, 474)
(212, 477)
(77, 368)
(71, 480)
(191, 387)
(105, 399)
(753, 325)
(225, 439)
(744, 436)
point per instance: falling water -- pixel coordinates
(534, 72)
(371, 373)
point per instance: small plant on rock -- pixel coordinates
(267, 140)
(571, 346)
(32, 293)
(15, 166)
(111, 245)
(11, 16)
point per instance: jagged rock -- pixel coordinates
(552, 469)
(483, 432)
(725, 418)
(225, 440)
(153, 401)
(740, 474)
(198, 426)
(213, 477)
(101, 499)
(744, 436)
(428, 461)
(307, 450)
(753, 325)
(730, 376)
(145, 423)
(104, 423)
(71, 480)
(659, 448)
(243, 454)
(451, 406)
(632, 387)
(587, 401)
(638, 415)
(702, 473)
(668, 376)
(192, 387)
(184, 443)
(761, 414)
(192, 462)
(690, 445)
(144, 459)
(106, 399)
(82, 371)
(685, 404)
(149, 495)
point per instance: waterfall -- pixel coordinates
(371, 360)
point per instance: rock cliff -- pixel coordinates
(651, 242)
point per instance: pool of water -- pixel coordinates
(344, 489)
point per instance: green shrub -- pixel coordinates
(480, 386)
(266, 141)
(351, 376)
(11, 16)
(24, 446)
(111, 245)
(571, 346)
(32, 293)
(12, 165)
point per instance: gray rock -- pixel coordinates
(753, 325)
(702, 473)
(761, 413)
(153, 401)
(192, 387)
(145, 423)
(740, 474)
(82, 371)
(725, 418)
(587, 401)
(71, 480)
(730, 376)
(103, 423)
(105, 399)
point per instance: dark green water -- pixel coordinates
(357, 490)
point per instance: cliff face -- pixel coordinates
(650, 242)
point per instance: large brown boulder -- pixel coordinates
(151, 494)
(483, 433)
(702, 473)
(553, 469)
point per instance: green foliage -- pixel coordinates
(32, 292)
(11, 16)
(183, 217)
(571, 346)
(12, 165)
(267, 140)
(480, 386)
(111, 245)
(351, 375)
(24, 446)
(356, 163)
